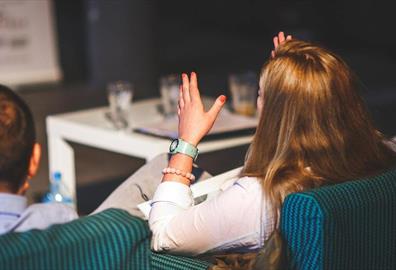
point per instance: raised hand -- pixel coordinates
(278, 40)
(194, 122)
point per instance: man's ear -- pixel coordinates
(22, 190)
(33, 167)
(34, 160)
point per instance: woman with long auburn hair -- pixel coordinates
(313, 130)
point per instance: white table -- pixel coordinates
(90, 127)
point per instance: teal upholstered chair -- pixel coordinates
(346, 226)
(112, 239)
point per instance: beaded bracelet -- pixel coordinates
(187, 175)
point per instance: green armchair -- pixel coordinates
(346, 226)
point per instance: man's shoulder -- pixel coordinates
(43, 215)
(53, 211)
(49, 206)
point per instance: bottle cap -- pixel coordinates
(57, 176)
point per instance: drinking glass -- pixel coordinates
(119, 94)
(169, 88)
(243, 88)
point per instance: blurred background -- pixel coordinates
(98, 41)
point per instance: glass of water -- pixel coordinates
(243, 88)
(169, 88)
(119, 94)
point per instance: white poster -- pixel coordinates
(27, 42)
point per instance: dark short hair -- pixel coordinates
(17, 138)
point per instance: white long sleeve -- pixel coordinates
(229, 221)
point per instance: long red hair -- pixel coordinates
(314, 128)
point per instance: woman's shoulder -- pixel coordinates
(248, 182)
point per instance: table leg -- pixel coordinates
(61, 159)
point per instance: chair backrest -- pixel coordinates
(344, 226)
(112, 239)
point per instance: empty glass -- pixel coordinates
(243, 88)
(169, 88)
(119, 94)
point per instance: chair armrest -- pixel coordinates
(112, 239)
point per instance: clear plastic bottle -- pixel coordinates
(55, 194)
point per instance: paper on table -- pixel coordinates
(226, 122)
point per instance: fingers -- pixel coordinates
(276, 42)
(194, 91)
(186, 89)
(281, 37)
(181, 101)
(193, 80)
(217, 106)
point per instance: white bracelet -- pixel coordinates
(187, 175)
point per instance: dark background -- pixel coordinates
(105, 40)
(139, 40)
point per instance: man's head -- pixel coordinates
(19, 153)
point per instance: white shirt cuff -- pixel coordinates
(173, 192)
